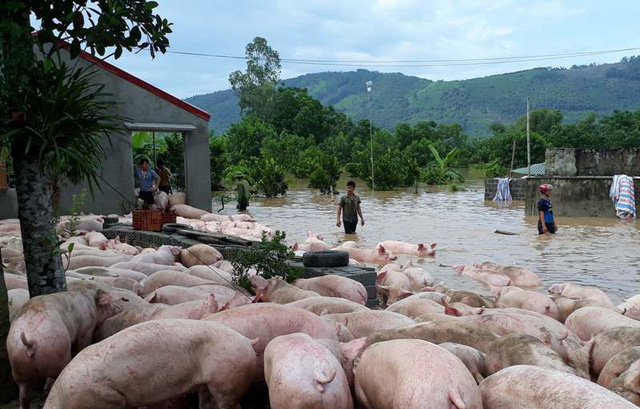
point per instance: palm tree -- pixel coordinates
(52, 115)
(60, 139)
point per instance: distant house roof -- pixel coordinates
(537, 169)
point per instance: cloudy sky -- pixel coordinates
(387, 30)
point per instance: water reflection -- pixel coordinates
(602, 252)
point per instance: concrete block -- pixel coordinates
(8, 204)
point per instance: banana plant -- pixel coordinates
(446, 173)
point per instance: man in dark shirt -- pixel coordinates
(349, 210)
(546, 221)
(148, 181)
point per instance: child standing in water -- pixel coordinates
(546, 221)
(349, 209)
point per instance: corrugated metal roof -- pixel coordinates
(537, 169)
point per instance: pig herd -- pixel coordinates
(166, 327)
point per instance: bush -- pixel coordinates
(269, 259)
(494, 170)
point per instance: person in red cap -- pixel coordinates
(546, 221)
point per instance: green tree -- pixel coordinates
(173, 157)
(270, 178)
(541, 121)
(244, 140)
(217, 158)
(55, 119)
(325, 174)
(256, 86)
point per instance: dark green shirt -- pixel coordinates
(243, 190)
(350, 208)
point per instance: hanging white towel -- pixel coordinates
(503, 193)
(623, 194)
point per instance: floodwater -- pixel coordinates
(600, 252)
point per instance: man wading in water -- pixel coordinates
(546, 221)
(349, 208)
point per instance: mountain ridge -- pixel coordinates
(473, 103)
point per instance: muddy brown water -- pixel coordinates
(591, 251)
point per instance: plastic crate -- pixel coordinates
(148, 220)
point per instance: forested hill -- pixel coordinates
(474, 103)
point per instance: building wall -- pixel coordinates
(592, 162)
(574, 196)
(517, 187)
(139, 105)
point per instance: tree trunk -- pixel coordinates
(8, 388)
(37, 223)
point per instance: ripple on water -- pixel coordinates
(600, 252)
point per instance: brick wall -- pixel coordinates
(517, 187)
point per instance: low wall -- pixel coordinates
(8, 204)
(574, 196)
(592, 162)
(364, 275)
(517, 187)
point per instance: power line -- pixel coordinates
(422, 63)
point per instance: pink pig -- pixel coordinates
(158, 361)
(378, 255)
(400, 247)
(49, 328)
(414, 374)
(334, 286)
(303, 373)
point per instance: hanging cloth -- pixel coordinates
(503, 193)
(623, 195)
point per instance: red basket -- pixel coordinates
(148, 220)
(168, 217)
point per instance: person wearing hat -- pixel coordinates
(546, 221)
(243, 191)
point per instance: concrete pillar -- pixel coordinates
(197, 168)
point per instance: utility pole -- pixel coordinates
(528, 143)
(373, 180)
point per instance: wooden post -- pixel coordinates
(528, 143)
(513, 157)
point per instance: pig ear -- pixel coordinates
(211, 306)
(295, 247)
(309, 233)
(495, 290)
(452, 311)
(259, 282)
(103, 245)
(383, 289)
(103, 297)
(380, 276)
(352, 349)
(117, 239)
(149, 298)
(420, 246)
(404, 294)
(381, 249)
(433, 245)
